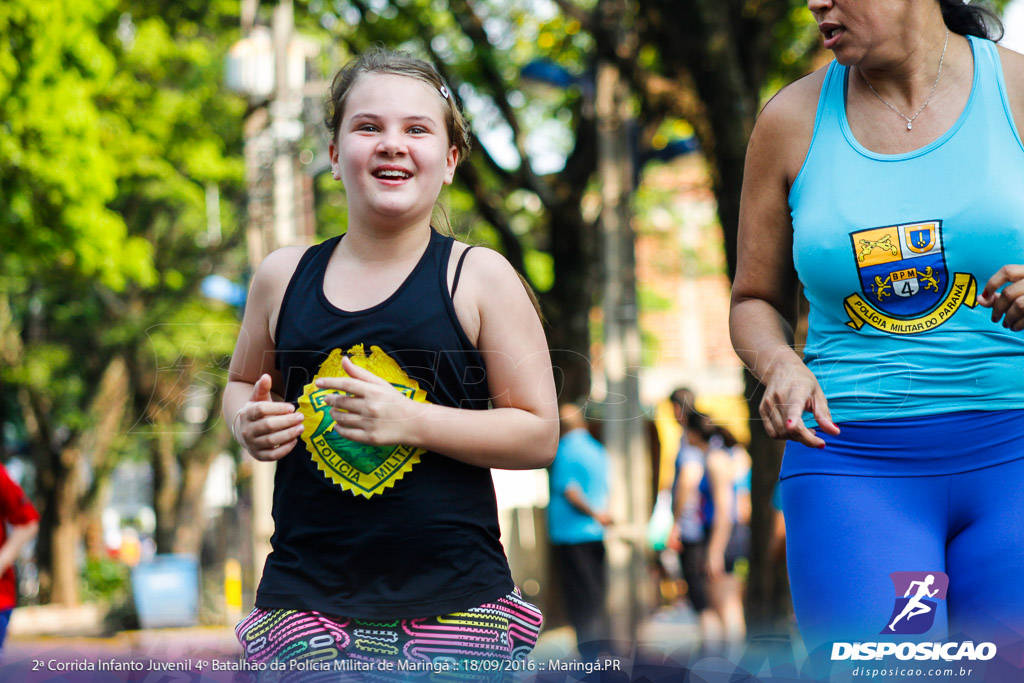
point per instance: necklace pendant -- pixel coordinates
(910, 125)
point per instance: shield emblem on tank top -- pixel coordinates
(902, 269)
(905, 285)
(359, 468)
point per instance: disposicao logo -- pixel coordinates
(917, 596)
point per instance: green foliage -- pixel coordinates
(331, 206)
(797, 43)
(115, 127)
(56, 179)
(651, 301)
(106, 581)
(540, 269)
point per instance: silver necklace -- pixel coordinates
(910, 120)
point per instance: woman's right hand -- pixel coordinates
(268, 429)
(790, 389)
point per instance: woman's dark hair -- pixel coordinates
(683, 398)
(728, 440)
(699, 423)
(971, 20)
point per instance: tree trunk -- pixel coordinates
(567, 304)
(66, 531)
(191, 517)
(166, 480)
(195, 463)
(61, 489)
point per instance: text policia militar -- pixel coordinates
(948, 652)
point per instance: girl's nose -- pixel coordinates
(391, 144)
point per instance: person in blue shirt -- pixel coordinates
(577, 517)
(888, 183)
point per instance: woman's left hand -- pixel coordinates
(369, 410)
(1009, 303)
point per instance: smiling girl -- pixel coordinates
(386, 370)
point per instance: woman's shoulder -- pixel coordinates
(1013, 75)
(785, 127)
(795, 106)
(719, 463)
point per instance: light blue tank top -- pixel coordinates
(893, 250)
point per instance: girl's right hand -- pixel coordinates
(791, 388)
(268, 429)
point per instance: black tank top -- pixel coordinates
(388, 531)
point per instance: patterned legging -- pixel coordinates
(484, 643)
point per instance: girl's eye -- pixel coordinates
(369, 127)
(418, 130)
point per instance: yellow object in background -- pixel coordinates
(726, 410)
(233, 590)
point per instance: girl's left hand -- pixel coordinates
(1009, 303)
(369, 410)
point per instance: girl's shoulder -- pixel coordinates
(492, 301)
(271, 280)
(277, 268)
(719, 462)
(482, 268)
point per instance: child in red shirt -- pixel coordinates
(21, 515)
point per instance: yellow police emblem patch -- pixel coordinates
(359, 468)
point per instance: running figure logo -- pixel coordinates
(914, 612)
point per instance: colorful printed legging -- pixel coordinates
(484, 643)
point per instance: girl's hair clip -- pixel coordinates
(444, 92)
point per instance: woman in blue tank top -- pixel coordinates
(891, 185)
(385, 399)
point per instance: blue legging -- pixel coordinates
(846, 534)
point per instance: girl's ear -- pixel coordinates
(332, 151)
(451, 161)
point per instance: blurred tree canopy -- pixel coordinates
(116, 134)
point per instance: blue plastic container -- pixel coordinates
(166, 591)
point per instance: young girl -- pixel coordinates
(365, 367)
